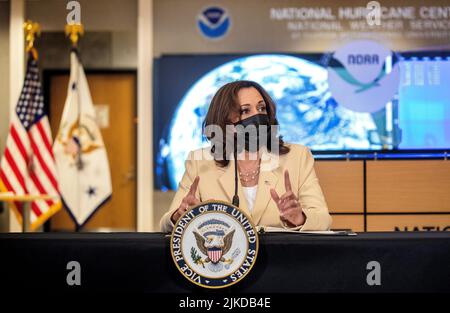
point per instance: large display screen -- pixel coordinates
(417, 117)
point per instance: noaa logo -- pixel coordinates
(363, 76)
(214, 245)
(213, 22)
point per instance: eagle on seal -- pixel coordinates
(214, 246)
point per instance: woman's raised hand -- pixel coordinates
(288, 204)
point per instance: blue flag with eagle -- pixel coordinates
(80, 154)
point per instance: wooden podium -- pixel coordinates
(26, 200)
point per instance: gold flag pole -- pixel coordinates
(74, 31)
(32, 30)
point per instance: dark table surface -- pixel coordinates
(287, 263)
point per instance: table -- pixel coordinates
(26, 201)
(287, 263)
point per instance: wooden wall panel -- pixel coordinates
(353, 222)
(406, 222)
(342, 183)
(408, 186)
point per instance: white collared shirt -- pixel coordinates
(250, 196)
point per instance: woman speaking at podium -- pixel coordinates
(275, 182)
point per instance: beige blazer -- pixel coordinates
(217, 183)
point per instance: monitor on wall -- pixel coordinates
(416, 118)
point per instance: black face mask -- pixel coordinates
(256, 120)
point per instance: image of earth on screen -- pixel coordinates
(418, 117)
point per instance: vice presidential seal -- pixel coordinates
(214, 245)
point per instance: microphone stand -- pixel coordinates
(235, 197)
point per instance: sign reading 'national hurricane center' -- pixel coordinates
(214, 245)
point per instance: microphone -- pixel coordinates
(235, 197)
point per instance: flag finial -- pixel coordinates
(32, 30)
(74, 31)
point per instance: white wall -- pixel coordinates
(4, 71)
(110, 39)
(253, 30)
(4, 90)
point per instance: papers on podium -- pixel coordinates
(270, 229)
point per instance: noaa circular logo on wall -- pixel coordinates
(363, 76)
(214, 245)
(213, 22)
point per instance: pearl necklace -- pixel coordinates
(250, 176)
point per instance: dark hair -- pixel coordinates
(225, 102)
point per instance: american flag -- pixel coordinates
(28, 165)
(215, 254)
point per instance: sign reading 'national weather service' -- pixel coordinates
(214, 245)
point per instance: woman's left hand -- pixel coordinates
(288, 204)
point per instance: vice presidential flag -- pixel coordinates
(27, 165)
(85, 181)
